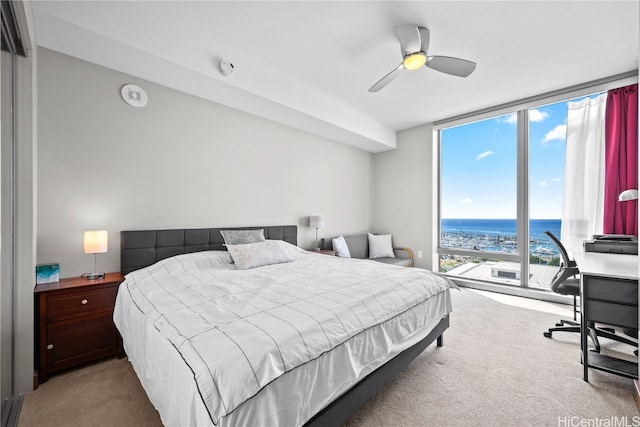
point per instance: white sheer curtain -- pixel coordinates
(583, 198)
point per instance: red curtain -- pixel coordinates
(621, 160)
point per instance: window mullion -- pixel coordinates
(522, 223)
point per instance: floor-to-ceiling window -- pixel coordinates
(501, 182)
(547, 131)
(478, 199)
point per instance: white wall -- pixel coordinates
(179, 162)
(404, 196)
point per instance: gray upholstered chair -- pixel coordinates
(359, 248)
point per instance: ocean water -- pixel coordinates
(498, 235)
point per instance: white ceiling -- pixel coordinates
(309, 64)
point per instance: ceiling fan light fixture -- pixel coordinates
(413, 61)
(414, 45)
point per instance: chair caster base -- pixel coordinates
(547, 334)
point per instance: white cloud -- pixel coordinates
(485, 154)
(556, 179)
(534, 116)
(511, 119)
(543, 184)
(466, 200)
(537, 115)
(559, 132)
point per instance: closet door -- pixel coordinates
(17, 191)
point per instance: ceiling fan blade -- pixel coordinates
(409, 38)
(424, 39)
(386, 79)
(449, 65)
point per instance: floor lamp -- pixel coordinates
(627, 195)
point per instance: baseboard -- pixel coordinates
(636, 393)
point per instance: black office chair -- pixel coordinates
(567, 282)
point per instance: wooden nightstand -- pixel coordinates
(74, 321)
(325, 252)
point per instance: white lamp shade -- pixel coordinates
(316, 221)
(96, 241)
(631, 194)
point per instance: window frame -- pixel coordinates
(521, 108)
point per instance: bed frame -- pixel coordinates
(141, 248)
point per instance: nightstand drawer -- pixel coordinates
(81, 301)
(70, 342)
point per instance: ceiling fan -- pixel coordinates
(414, 42)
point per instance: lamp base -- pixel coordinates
(93, 276)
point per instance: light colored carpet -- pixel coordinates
(103, 394)
(495, 369)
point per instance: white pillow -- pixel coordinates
(380, 246)
(252, 255)
(240, 237)
(341, 248)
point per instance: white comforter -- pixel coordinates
(240, 330)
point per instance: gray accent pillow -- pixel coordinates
(341, 248)
(240, 237)
(252, 255)
(380, 246)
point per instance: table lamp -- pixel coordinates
(95, 242)
(317, 222)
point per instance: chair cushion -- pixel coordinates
(358, 245)
(403, 262)
(569, 287)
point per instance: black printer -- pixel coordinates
(612, 244)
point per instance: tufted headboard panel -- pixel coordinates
(141, 248)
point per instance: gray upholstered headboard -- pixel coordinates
(141, 248)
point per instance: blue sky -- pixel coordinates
(479, 166)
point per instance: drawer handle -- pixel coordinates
(84, 301)
(50, 346)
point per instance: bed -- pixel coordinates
(215, 345)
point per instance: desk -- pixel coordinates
(608, 294)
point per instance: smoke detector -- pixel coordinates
(134, 95)
(226, 68)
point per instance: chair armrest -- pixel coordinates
(408, 251)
